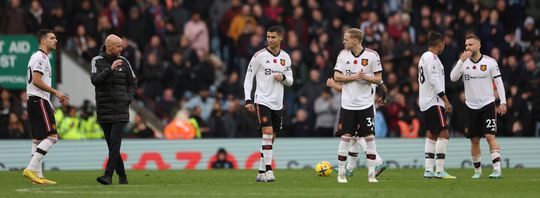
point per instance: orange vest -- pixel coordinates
(409, 131)
(180, 130)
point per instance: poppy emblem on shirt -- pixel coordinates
(474, 67)
(282, 62)
(275, 61)
(483, 67)
(364, 62)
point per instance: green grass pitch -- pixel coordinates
(290, 183)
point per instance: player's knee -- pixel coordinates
(369, 138)
(268, 131)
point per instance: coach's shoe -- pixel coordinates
(105, 180)
(444, 175)
(122, 180)
(477, 175)
(270, 176)
(32, 176)
(495, 175)
(261, 177)
(341, 178)
(380, 168)
(429, 174)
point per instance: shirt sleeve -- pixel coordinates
(376, 65)
(288, 81)
(252, 70)
(494, 70)
(38, 65)
(339, 64)
(432, 76)
(457, 71)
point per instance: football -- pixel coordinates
(323, 168)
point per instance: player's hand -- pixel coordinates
(362, 76)
(64, 99)
(465, 55)
(116, 64)
(278, 77)
(330, 82)
(381, 101)
(250, 108)
(448, 107)
(502, 109)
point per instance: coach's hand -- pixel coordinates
(502, 109)
(250, 108)
(116, 64)
(465, 55)
(448, 107)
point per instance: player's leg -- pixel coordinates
(431, 140)
(265, 121)
(495, 153)
(346, 126)
(442, 142)
(367, 130)
(44, 127)
(354, 150)
(476, 157)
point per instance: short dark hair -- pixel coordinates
(42, 33)
(276, 29)
(435, 38)
(472, 36)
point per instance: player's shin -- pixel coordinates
(429, 150)
(343, 149)
(353, 154)
(440, 152)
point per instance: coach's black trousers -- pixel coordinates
(113, 135)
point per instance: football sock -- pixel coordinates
(35, 144)
(496, 159)
(429, 150)
(262, 167)
(477, 161)
(343, 148)
(440, 152)
(353, 153)
(267, 150)
(41, 151)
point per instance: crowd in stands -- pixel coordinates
(191, 56)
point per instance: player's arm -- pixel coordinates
(252, 70)
(376, 67)
(383, 92)
(287, 76)
(434, 79)
(340, 77)
(457, 70)
(38, 82)
(97, 75)
(334, 85)
(132, 81)
(500, 88)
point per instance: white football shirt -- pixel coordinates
(263, 66)
(478, 81)
(39, 62)
(431, 81)
(359, 94)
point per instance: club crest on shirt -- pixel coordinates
(364, 62)
(483, 67)
(282, 62)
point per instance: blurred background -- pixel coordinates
(190, 58)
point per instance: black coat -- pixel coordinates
(114, 89)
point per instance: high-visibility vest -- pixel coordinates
(409, 131)
(180, 129)
(69, 129)
(90, 128)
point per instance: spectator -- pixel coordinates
(15, 129)
(68, 129)
(87, 17)
(204, 102)
(300, 125)
(326, 114)
(197, 33)
(231, 88)
(491, 33)
(179, 15)
(136, 27)
(139, 129)
(299, 25)
(115, 16)
(526, 34)
(152, 76)
(239, 22)
(88, 122)
(166, 105)
(222, 162)
(38, 17)
(17, 21)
